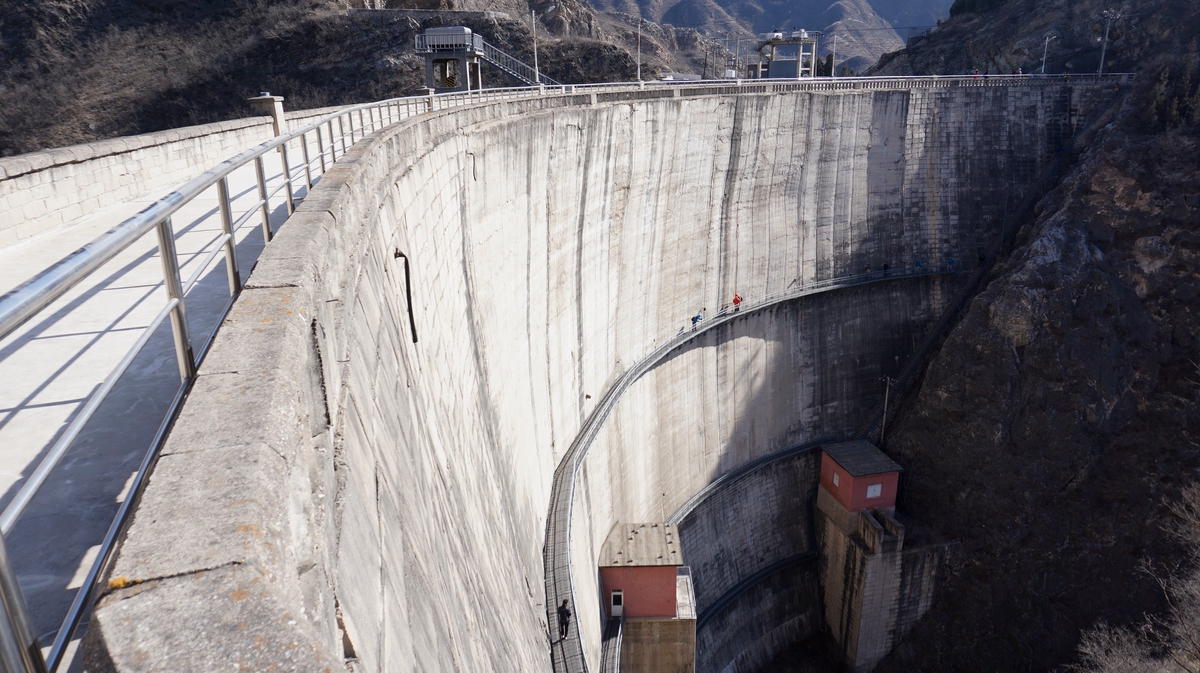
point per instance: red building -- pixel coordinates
(859, 475)
(644, 582)
(641, 561)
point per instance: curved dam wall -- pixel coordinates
(771, 380)
(345, 483)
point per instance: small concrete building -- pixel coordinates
(452, 56)
(644, 582)
(873, 589)
(860, 476)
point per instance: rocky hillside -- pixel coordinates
(82, 70)
(1055, 430)
(863, 34)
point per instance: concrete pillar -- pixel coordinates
(270, 106)
(860, 576)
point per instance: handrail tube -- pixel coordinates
(237, 224)
(218, 248)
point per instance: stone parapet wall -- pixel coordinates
(41, 191)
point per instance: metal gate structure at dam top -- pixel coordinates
(207, 234)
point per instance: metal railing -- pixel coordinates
(429, 44)
(515, 67)
(319, 144)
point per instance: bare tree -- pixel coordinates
(1167, 643)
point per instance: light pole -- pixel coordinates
(833, 54)
(639, 49)
(1046, 48)
(1109, 15)
(537, 75)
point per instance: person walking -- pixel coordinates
(564, 620)
(737, 302)
(696, 320)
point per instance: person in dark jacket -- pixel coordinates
(564, 620)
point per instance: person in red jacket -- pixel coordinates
(737, 302)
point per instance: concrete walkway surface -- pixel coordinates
(52, 364)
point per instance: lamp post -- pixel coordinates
(1045, 49)
(833, 54)
(537, 75)
(639, 49)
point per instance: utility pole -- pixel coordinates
(537, 75)
(533, 26)
(639, 49)
(1045, 48)
(833, 61)
(888, 382)
(1109, 15)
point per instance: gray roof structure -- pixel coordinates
(641, 544)
(861, 458)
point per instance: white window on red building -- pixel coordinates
(874, 490)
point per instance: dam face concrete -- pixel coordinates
(341, 486)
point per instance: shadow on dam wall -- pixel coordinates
(336, 488)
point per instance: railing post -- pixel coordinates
(179, 326)
(262, 196)
(287, 179)
(231, 264)
(19, 651)
(321, 150)
(307, 162)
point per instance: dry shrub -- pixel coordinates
(1167, 643)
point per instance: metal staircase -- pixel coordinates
(513, 67)
(469, 43)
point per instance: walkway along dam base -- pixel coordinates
(469, 354)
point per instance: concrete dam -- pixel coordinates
(470, 354)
